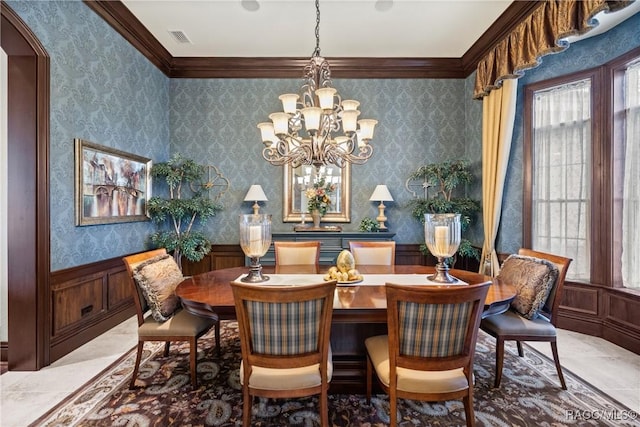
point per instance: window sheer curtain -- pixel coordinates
(561, 174)
(631, 193)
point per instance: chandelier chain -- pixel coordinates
(316, 52)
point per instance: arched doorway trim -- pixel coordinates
(28, 216)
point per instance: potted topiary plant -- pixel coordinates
(446, 177)
(368, 224)
(181, 210)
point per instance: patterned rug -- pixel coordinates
(529, 395)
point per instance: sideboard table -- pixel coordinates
(332, 242)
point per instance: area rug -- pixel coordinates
(529, 395)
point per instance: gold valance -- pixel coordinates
(537, 35)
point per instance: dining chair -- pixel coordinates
(284, 340)
(373, 252)
(153, 276)
(429, 350)
(539, 281)
(297, 253)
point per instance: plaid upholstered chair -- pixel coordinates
(297, 253)
(153, 276)
(284, 338)
(429, 350)
(373, 253)
(539, 281)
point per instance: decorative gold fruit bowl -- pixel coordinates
(344, 272)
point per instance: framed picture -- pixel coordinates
(111, 185)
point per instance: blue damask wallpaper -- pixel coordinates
(420, 121)
(102, 90)
(582, 55)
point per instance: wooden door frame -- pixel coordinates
(28, 181)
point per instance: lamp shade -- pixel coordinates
(255, 194)
(381, 194)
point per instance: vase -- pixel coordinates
(315, 214)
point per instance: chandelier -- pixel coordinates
(317, 127)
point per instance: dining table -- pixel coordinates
(359, 308)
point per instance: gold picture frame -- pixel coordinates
(112, 186)
(297, 179)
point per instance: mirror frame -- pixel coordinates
(288, 213)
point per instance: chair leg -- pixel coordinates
(217, 331)
(468, 408)
(193, 358)
(520, 349)
(369, 379)
(393, 407)
(556, 359)
(247, 399)
(166, 348)
(499, 361)
(137, 365)
(324, 409)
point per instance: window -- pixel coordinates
(631, 179)
(582, 169)
(561, 146)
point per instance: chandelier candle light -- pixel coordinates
(255, 239)
(442, 237)
(334, 135)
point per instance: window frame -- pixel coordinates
(607, 105)
(594, 75)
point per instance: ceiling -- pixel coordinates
(348, 28)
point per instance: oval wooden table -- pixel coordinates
(359, 311)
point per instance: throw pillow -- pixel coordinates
(158, 278)
(533, 278)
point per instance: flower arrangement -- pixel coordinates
(318, 196)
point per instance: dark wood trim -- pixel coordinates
(356, 68)
(116, 14)
(4, 351)
(28, 221)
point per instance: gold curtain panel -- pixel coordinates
(536, 36)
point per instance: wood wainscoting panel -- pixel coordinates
(86, 301)
(582, 299)
(622, 308)
(221, 256)
(622, 319)
(118, 289)
(76, 302)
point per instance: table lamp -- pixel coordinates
(255, 194)
(381, 194)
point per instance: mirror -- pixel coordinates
(297, 180)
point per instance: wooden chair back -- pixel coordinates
(551, 306)
(297, 253)
(373, 253)
(300, 314)
(131, 262)
(433, 329)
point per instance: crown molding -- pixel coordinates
(116, 14)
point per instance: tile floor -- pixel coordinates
(24, 396)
